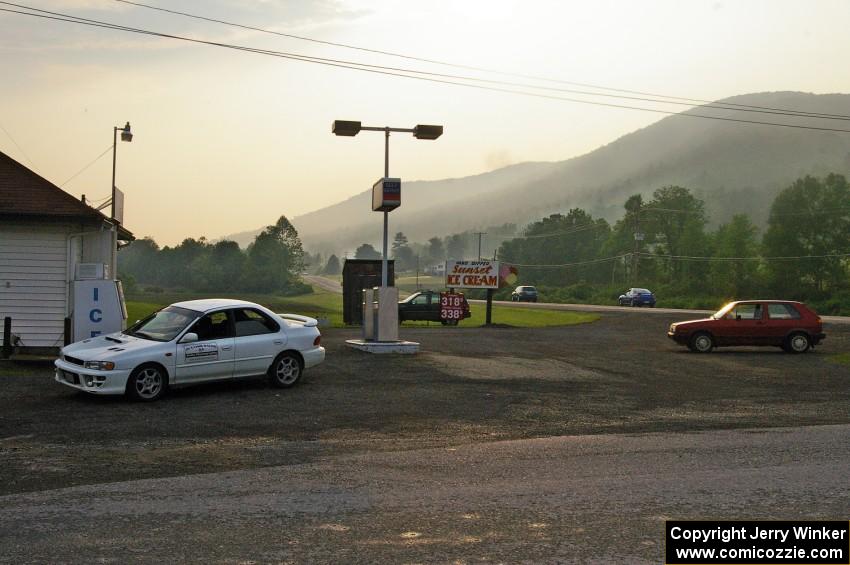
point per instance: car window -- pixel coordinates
(783, 312)
(212, 326)
(746, 312)
(253, 322)
(421, 300)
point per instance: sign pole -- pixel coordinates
(489, 320)
(384, 269)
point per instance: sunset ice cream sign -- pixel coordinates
(472, 274)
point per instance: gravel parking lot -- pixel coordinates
(469, 385)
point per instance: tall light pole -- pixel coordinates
(126, 135)
(350, 129)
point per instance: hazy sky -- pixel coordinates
(227, 140)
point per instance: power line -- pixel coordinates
(729, 259)
(21, 149)
(575, 264)
(376, 70)
(681, 258)
(577, 229)
(671, 99)
(92, 162)
(98, 200)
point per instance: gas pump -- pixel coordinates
(99, 306)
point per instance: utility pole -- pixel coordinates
(638, 239)
(479, 234)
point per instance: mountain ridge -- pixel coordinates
(734, 167)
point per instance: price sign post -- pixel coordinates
(451, 307)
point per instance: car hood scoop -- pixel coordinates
(106, 345)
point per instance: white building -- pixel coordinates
(44, 233)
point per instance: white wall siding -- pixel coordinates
(33, 280)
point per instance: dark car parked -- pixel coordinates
(637, 297)
(425, 305)
(524, 294)
(786, 324)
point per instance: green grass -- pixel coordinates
(319, 304)
(328, 306)
(528, 317)
(408, 284)
(841, 358)
(519, 317)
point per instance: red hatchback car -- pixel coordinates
(786, 324)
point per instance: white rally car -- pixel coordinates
(191, 342)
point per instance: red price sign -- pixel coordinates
(451, 306)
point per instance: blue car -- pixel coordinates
(637, 297)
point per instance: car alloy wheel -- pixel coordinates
(798, 343)
(285, 371)
(147, 383)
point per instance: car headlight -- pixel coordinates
(99, 365)
(672, 328)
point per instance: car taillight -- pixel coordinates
(317, 341)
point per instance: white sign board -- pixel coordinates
(472, 274)
(98, 308)
(119, 206)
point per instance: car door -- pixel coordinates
(212, 356)
(418, 308)
(747, 324)
(259, 339)
(434, 307)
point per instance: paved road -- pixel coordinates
(596, 307)
(561, 499)
(333, 286)
(601, 308)
(329, 285)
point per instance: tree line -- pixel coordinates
(411, 256)
(665, 244)
(273, 262)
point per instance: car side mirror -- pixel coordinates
(738, 317)
(190, 337)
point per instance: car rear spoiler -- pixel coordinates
(307, 321)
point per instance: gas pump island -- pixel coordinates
(380, 304)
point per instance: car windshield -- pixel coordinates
(723, 311)
(163, 325)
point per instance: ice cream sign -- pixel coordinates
(472, 274)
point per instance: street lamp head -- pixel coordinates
(126, 134)
(346, 128)
(427, 132)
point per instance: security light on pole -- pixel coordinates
(126, 135)
(348, 128)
